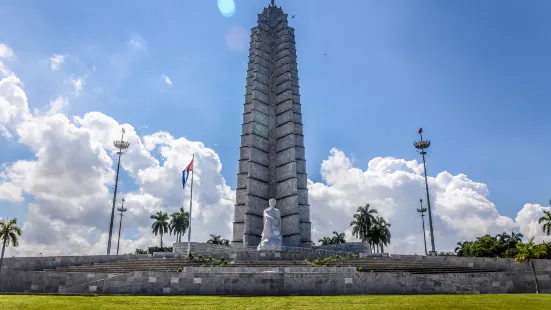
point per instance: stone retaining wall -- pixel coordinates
(52, 262)
(271, 281)
(250, 254)
(353, 247)
(181, 247)
(479, 262)
(44, 281)
(278, 282)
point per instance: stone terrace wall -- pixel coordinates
(181, 247)
(44, 281)
(230, 253)
(353, 247)
(52, 262)
(271, 281)
(280, 282)
(498, 282)
(507, 264)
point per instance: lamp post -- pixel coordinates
(422, 145)
(422, 211)
(121, 145)
(122, 209)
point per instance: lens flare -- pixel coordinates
(237, 39)
(226, 7)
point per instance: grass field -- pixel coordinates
(425, 302)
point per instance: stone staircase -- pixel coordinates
(392, 265)
(361, 264)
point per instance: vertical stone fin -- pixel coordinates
(272, 157)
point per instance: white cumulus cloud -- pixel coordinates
(70, 176)
(57, 105)
(5, 51)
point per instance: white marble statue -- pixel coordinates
(271, 234)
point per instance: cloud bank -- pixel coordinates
(66, 186)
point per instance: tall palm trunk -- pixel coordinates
(382, 249)
(2, 257)
(161, 240)
(533, 270)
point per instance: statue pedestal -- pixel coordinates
(272, 255)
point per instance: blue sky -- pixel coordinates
(474, 74)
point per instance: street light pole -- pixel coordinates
(422, 211)
(422, 145)
(121, 145)
(122, 209)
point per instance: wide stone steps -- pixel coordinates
(362, 265)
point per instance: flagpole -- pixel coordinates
(190, 204)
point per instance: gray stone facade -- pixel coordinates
(52, 262)
(200, 247)
(479, 262)
(251, 254)
(272, 281)
(349, 247)
(272, 157)
(21, 275)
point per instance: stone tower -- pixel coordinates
(272, 162)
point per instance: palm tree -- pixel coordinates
(215, 239)
(9, 234)
(385, 235)
(375, 235)
(326, 241)
(546, 221)
(527, 252)
(179, 223)
(160, 225)
(516, 237)
(362, 223)
(503, 238)
(174, 217)
(462, 248)
(338, 238)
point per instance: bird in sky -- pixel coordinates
(293, 16)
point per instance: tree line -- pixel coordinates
(504, 245)
(367, 226)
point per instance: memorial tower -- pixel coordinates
(272, 158)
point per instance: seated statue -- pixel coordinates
(271, 234)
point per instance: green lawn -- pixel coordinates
(281, 303)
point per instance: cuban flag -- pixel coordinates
(185, 173)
